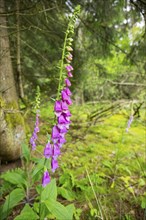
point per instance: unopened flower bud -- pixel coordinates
(69, 48)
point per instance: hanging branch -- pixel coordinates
(127, 83)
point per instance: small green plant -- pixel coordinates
(37, 202)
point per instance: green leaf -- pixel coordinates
(27, 213)
(50, 191)
(71, 209)
(67, 179)
(66, 193)
(108, 164)
(26, 152)
(11, 201)
(141, 182)
(43, 210)
(16, 177)
(39, 167)
(58, 210)
(36, 206)
(143, 203)
(5, 188)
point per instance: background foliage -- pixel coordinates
(102, 168)
(109, 46)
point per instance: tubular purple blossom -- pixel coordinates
(48, 151)
(67, 91)
(67, 82)
(61, 140)
(67, 119)
(37, 119)
(67, 114)
(33, 139)
(69, 102)
(69, 68)
(62, 120)
(34, 134)
(69, 74)
(36, 129)
(46, 178)
(33, 144)
(57, 106)
(61, 126)
(55, 132)
(63, 130)
(56, 151)
(64, 106)
(129, 122)
(54, 164)
(64, 95)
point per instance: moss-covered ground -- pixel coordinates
(102, 167)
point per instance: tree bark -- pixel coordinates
(19, 72)
(11, 121)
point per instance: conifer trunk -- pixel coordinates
(11, 121)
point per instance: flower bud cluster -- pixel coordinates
(34, 134)
(129, 122)
(36, 128)
(59, 130)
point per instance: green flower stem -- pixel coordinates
(70, 30)
(62, 62)
(40, 207)
(37, 104)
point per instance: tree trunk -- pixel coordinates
(19, 72)
(12, 124)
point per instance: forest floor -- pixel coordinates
(102, 167)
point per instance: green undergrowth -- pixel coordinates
(114, 160)
(101, 167)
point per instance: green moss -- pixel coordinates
(12, 116)
(2, 103)
(14, 119)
